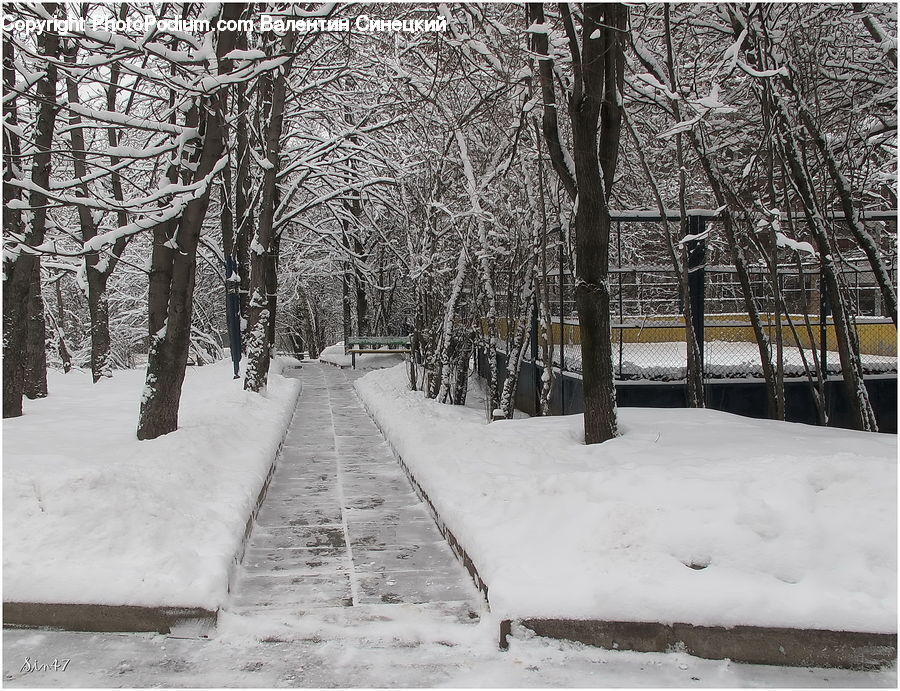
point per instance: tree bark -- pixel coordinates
(173, 272)
(848, 346)
(263, 278)
(19, 272)
(848, 206)
(446, 339)
(694, 376)
(13, 374)
(598, 100)
(595, 113)
(362, 301)
(243, 211)
(36, 346)
(96, 264)
(64, 354)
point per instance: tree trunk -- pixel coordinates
(694, 374)
(595, 112)
(310, 321)
(272, 289)
(723, 198)
(263, 288)
(516, 354)
(36, 347)
(13, 296)
(851, 210)
(362, 306)
(19, 272)
(602, 65)
(546, 318)
(845, 330)
(485, 269)
(447, 331)
(98, 307)
(172, 272)
(461, 370)
(95, 264)
(64, 354)
(346, 321)
(696, 397)
(243, 212)
(529, 297)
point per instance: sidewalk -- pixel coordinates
(340, 525)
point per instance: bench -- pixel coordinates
(358, 345)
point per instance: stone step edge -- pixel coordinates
(191, 622)
(762, 645)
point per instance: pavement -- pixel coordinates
(340, 525)
(346, 582)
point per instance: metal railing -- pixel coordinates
(648, 328)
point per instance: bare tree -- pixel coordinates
(263, 248)
(595, 115)
(21, 266)
(173, 263)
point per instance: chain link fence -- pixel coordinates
(648, 330)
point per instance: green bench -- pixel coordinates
(358, 345)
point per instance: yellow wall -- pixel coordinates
(874, 338)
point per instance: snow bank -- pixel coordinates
(692, 516)
(91, 515)
(334, 355)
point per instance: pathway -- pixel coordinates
(341, 525)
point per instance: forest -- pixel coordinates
(175, 188)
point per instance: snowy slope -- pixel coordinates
(693, 516)
(91, 515)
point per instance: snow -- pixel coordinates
(334, 355)
(388, 646)
(692, 516)
(783, 240)
(731, 56)
(91, 515)
(538, 28)
(713, 101)
(245, 55)
(763, 74)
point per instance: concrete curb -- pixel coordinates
(89, 617)
(750, 644)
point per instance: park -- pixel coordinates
(460, 344)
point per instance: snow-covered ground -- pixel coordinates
(693, 516)
(667, 361)
(334, 355)
(388, 646)
(364, 646)
(92, 515)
